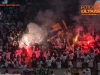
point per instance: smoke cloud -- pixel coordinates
(46, 18)
(37, 32)
(34, 35)
(90, 22)
(52, 15)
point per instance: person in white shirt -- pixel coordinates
(98, 64)
(24, 66)
(4, 54)
(64, 57)
(60, 56)
(71, 55)
(86, 57)
(79, 52)
(39, 63)
(87, 71)
(58, 63)
(70, 63)
(6, 63)
(53, 58)
(66, 52)
(78, 63)
(67, 72)
(92, 54)
(90, 63)
(49, 61)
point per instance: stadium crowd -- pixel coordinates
(62, 52)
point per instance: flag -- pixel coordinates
(60, 25)
(56, 26)
(63, 25)
(54, 33)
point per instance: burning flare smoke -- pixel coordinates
(34, 35)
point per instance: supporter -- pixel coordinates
(87, 71)
(34, 63)
(92, 54)
(98, 64)
(61, 53)
(12, 64)
(39, 63)
(86, 57)
(46, 54)
(58, 63)
(66, 63)
(6, 63)
(64, 57)
(79, 52)
(8, 55)
(67, 72)
(90, 63)
(43, 59)
(78, 63)
(53, 61)
(71, 55)
(37, 52)
(49, 62)
(18, 64)
(24, 67)
(70, 65)
(66, 52)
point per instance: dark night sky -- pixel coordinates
(71, 8)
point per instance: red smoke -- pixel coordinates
(28, 50)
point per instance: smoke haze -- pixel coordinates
(90, 22)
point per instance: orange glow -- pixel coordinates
(76, 39)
